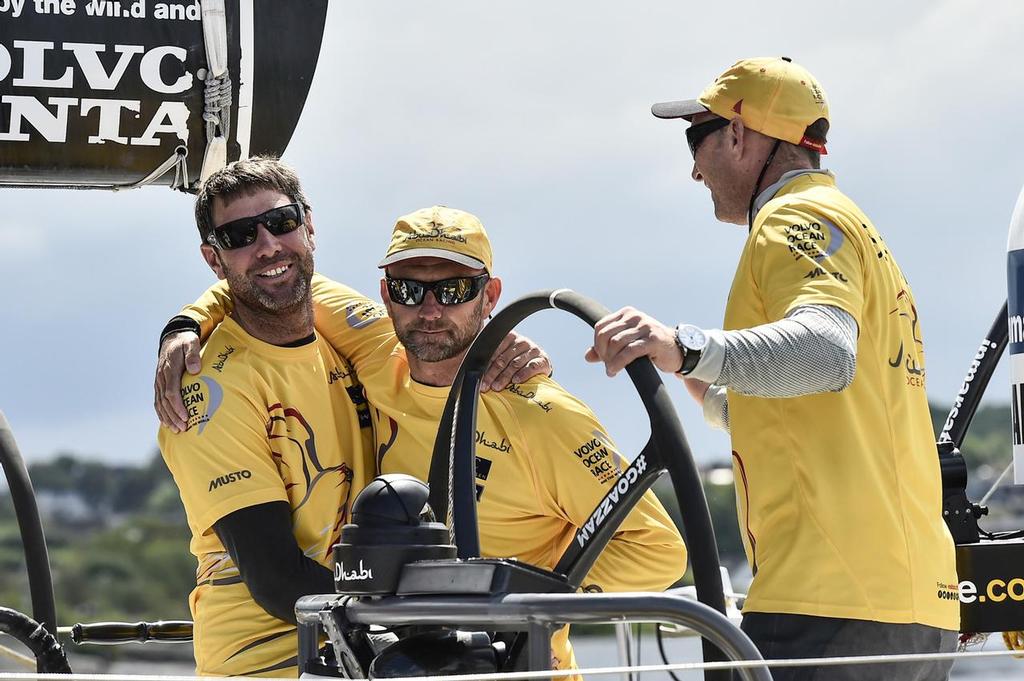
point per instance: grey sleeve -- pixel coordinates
(716, 407)
(812, 350)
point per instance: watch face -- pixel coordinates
(692, 338)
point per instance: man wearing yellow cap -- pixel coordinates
(543, 460)
(818, 374)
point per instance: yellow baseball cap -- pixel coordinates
(440, 232)
(773, 96)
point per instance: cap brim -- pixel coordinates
(432, 253)
(688, 108)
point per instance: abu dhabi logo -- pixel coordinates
(222, 358)
(913, 357)
(437, 231)
(360, 574)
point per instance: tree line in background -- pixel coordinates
(118, 539)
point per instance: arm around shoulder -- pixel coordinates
(356, 326)
(210, 308)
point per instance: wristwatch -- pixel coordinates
(691, 341)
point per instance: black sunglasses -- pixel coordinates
(454, 291)
(696, 134)
(242, 232)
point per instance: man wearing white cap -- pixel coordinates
(818, 375)
(543, 460)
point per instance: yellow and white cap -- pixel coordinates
(773, 96)
(440, 232)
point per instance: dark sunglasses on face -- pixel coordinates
(239, 233)
(696, 134)
(454, 291)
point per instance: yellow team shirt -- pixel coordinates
(543, 461)
(839, 494)
(543, 464)
(265, 424)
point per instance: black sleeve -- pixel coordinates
(260, 541)
(178, 323)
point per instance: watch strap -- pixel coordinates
(690, 360)
(690, 357)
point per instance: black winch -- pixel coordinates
(394, 531)
(392, 525)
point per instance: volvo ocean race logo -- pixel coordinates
(201, 398)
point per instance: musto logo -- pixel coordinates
(995, 591)
(222, 480)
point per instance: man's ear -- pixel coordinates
(384, 297)
(310, 231)
(212, 258)
(492, 292)
(738, 136)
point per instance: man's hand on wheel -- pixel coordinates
(622, 336)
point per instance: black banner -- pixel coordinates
(102, 92)
(991, 588)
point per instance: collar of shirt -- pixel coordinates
(769, 193)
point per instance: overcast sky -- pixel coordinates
(535, 116)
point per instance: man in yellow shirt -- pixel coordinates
(544, 461)
(819, 376)
(277, 440)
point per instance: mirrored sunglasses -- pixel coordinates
(454, 291)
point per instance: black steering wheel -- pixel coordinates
(452, 473)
